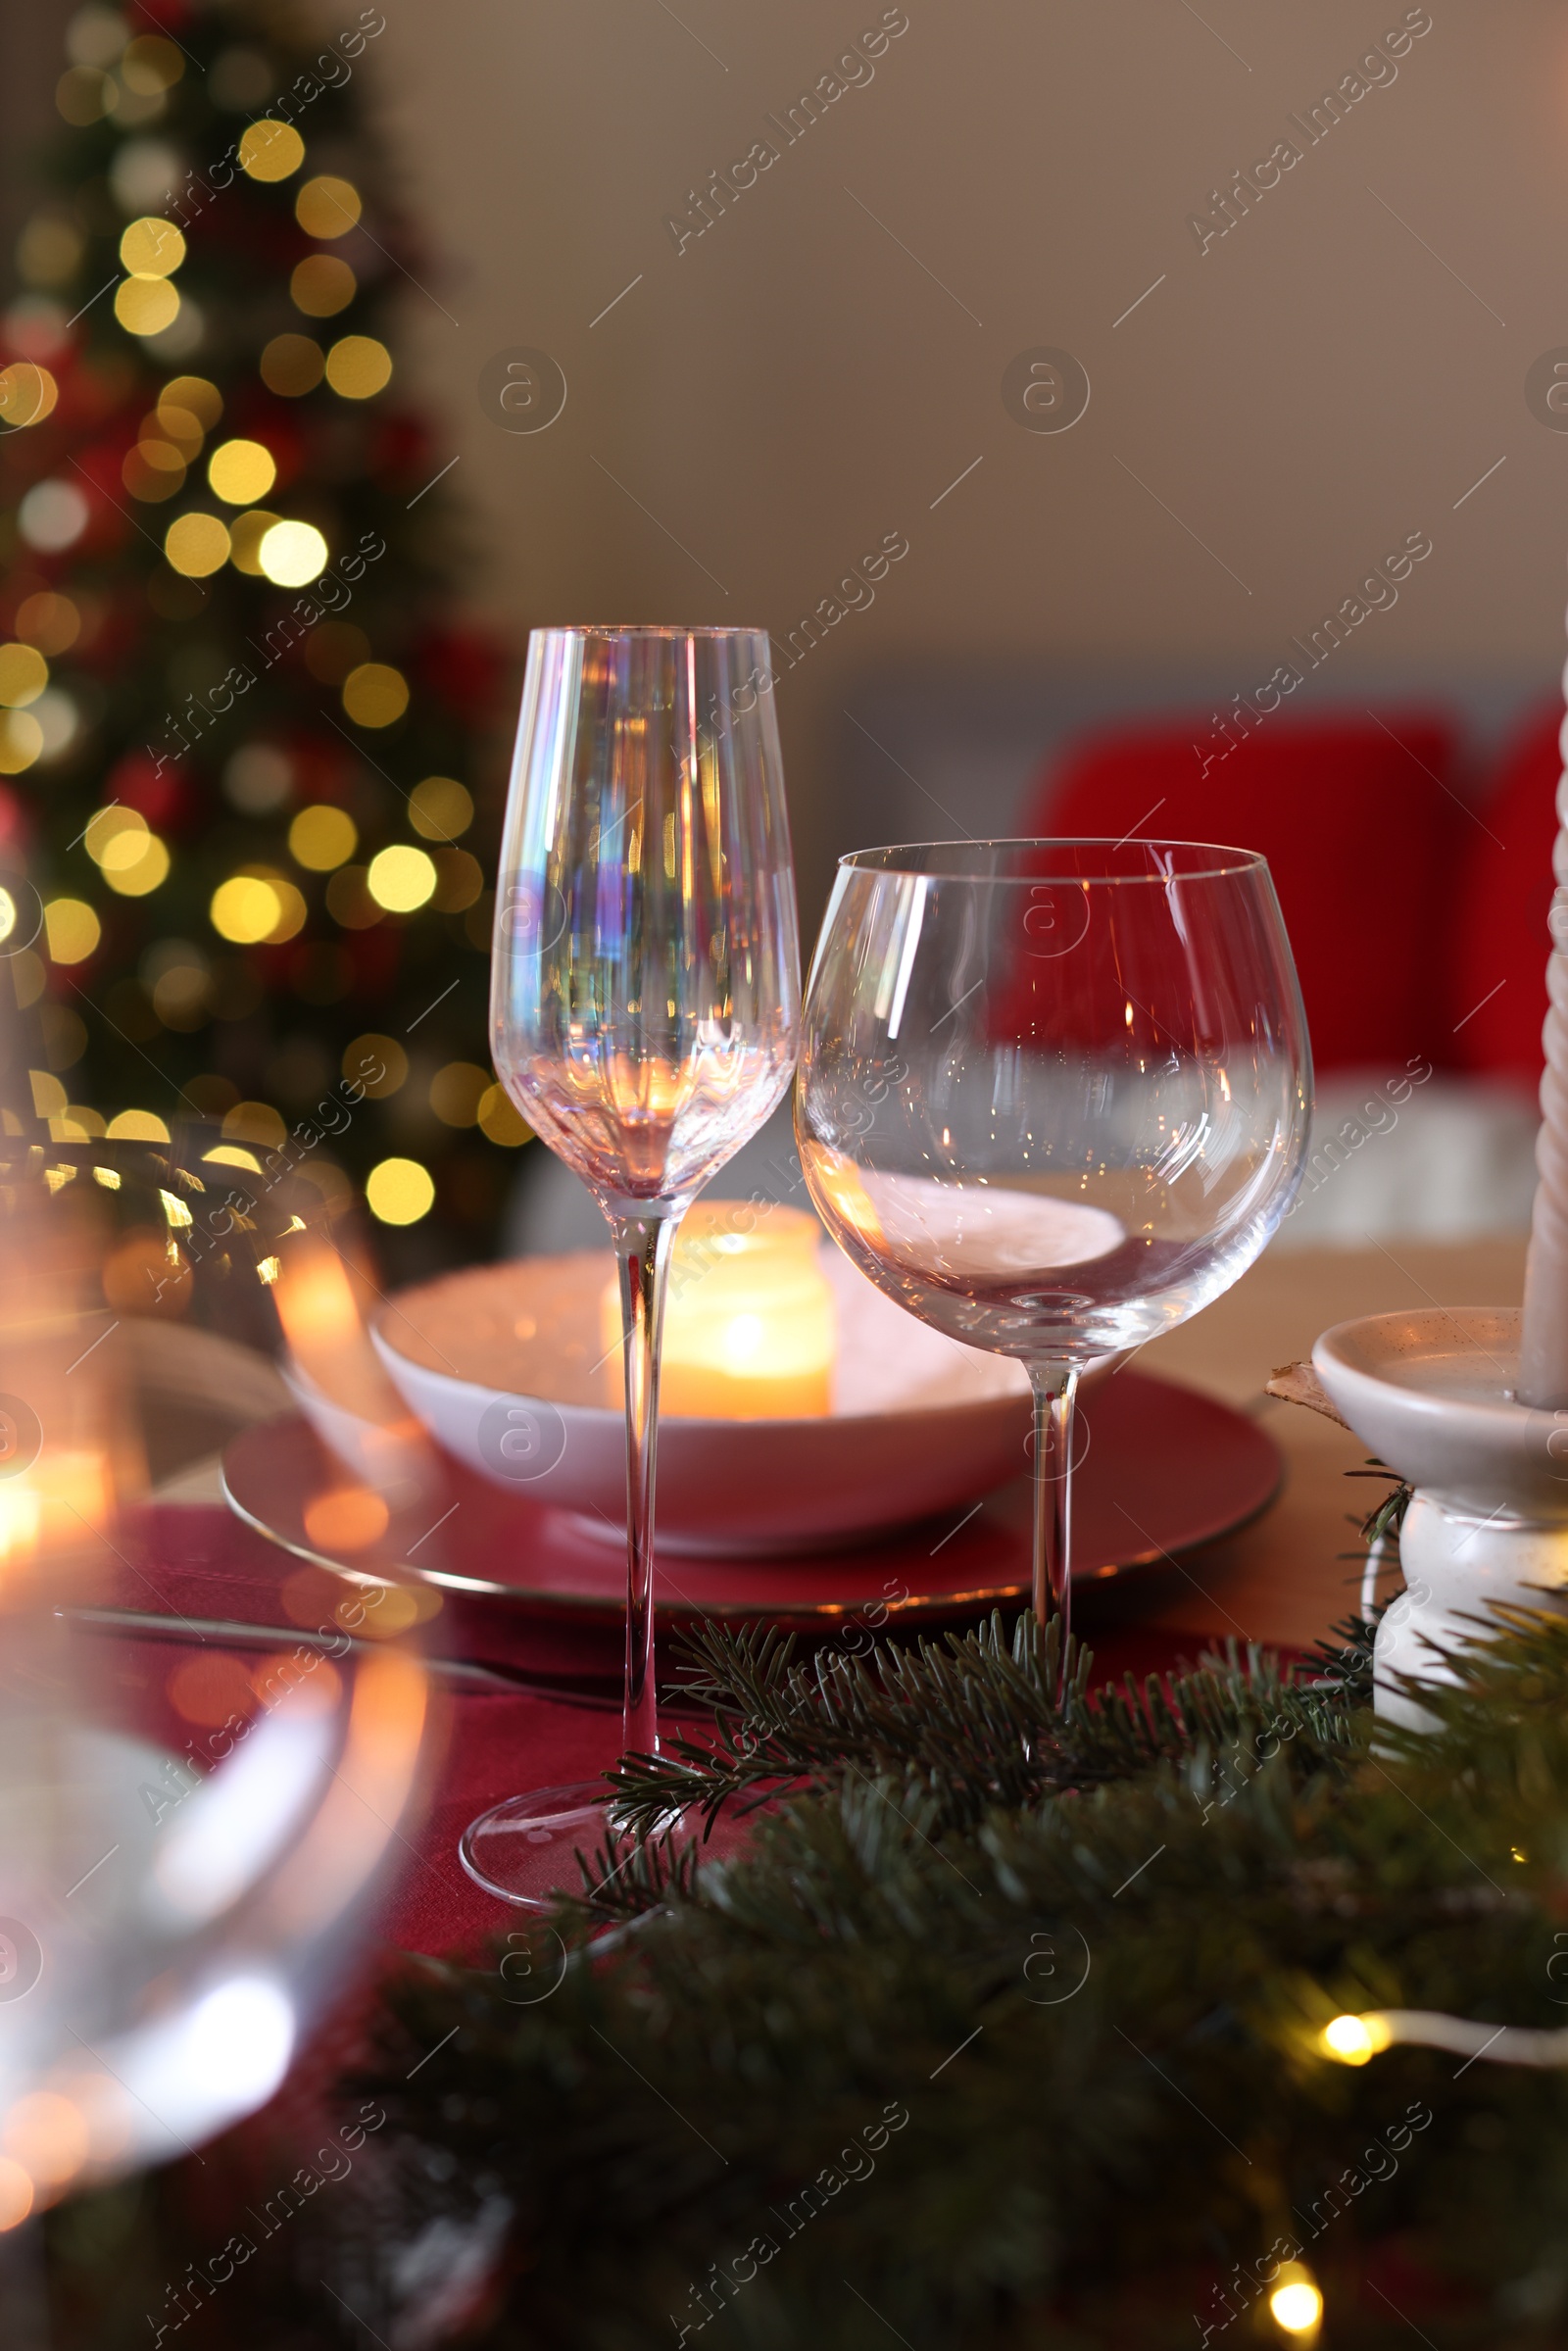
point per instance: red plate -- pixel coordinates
(1160, 1470)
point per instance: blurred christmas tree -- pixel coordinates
(245, 749)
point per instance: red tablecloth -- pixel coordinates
(200, 1564)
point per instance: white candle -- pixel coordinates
(1543, 1349)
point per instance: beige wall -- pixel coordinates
(795, 383)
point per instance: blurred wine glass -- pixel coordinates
(645, 1003)
(191, 1830)
(1053, 1098)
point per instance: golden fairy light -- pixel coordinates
(28, 394)
(24, 675)
(292, 365)
(327, 207)
(196, 545)
(399, 1191)
(440, 809)
(357, 367)
(401, 878)
(271, 150)
(241, 471)
(375, 694)
(322, 837)
(321, 285)
(71, 930)
(292, 555)
(152, 248)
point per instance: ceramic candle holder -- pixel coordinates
(1433, 1395)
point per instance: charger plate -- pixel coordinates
(1160, 1471)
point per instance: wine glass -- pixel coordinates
(1053, 1098)
(645, 1017)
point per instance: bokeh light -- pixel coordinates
(399, 1191)
(323, 285)
(327, 207)
(152, 248)
(292, 365)
(21, 741)
(28, 394)
(1296, 2307)
(460, 880)
(440, 809)
(245, 535)
(369, 1054)
(401, 878)
(51, 622)
(357, 367)
(196, 396)
(53, 516)
(143, 873)
(293, 554)
(321, 837)
(137, 1126)
(271, 150)
(245, 908)
(376, 694)
(195, 545)
(151, 65)
(24, 675)
(49, 250)
(71, 929)
(500, 1119)
(146, 305)
(241, 471)
(115, 836)
(457, 1090)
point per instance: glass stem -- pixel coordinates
(1056, 1386)
(644, 1237)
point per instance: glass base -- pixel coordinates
(524, 1852)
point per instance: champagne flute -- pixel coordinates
(645, 1018)
(1052, 1098)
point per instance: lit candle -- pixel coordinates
(1543, 1349)
(749, 1328)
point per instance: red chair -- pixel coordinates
(1359, 821)
(1497, 974)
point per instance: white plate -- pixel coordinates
(502, 1364)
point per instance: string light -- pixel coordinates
(1355, 2039)
(1296, 2305)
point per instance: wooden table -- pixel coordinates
(1281, 1578)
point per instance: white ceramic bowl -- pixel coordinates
(500, 1362)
